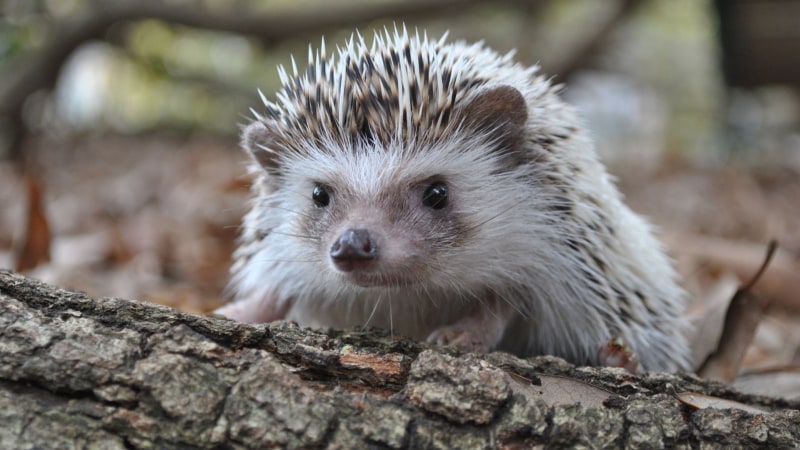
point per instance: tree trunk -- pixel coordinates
(110, 373)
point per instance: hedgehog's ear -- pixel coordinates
(258, 140)
(501, 112)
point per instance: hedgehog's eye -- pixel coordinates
(320, 196)
(435, 195)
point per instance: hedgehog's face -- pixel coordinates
(399, 212)
(379, 231)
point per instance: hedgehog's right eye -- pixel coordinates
(320, 196)
(435, 196)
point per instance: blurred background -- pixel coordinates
(120, 173)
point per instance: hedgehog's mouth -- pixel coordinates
(371, 279)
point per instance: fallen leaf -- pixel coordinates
(780, 282)
(555, 390)
(741, 320)
(708, 316)
(702, 401)
(783, 383)
(35, 247)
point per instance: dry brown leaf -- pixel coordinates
(562, 391)
(708, 316)
(776, 343)
(781, 282)
(35, 247)
(741, 320)
(702, 401)
(119, 251)
(782, 383)
(239, 184)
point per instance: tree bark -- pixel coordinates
(111, 373)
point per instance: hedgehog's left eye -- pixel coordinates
(435, 195)
(320, 196)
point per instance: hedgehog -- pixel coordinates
(445, 192)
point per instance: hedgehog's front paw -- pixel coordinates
(480, 330)
(615, 353)
(458, 337)
(254, 310)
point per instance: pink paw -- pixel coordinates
(453, 336)
(615, 353)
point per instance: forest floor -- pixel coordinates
(156, 219)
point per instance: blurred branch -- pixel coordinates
(593, 44)
(41, 70)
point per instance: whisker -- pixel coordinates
(300, 236)
(285, 260)
(299, 213)
(501, 213)
(374, 309)
(513, 305)
(391, 320)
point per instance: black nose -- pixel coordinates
(351, 247)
